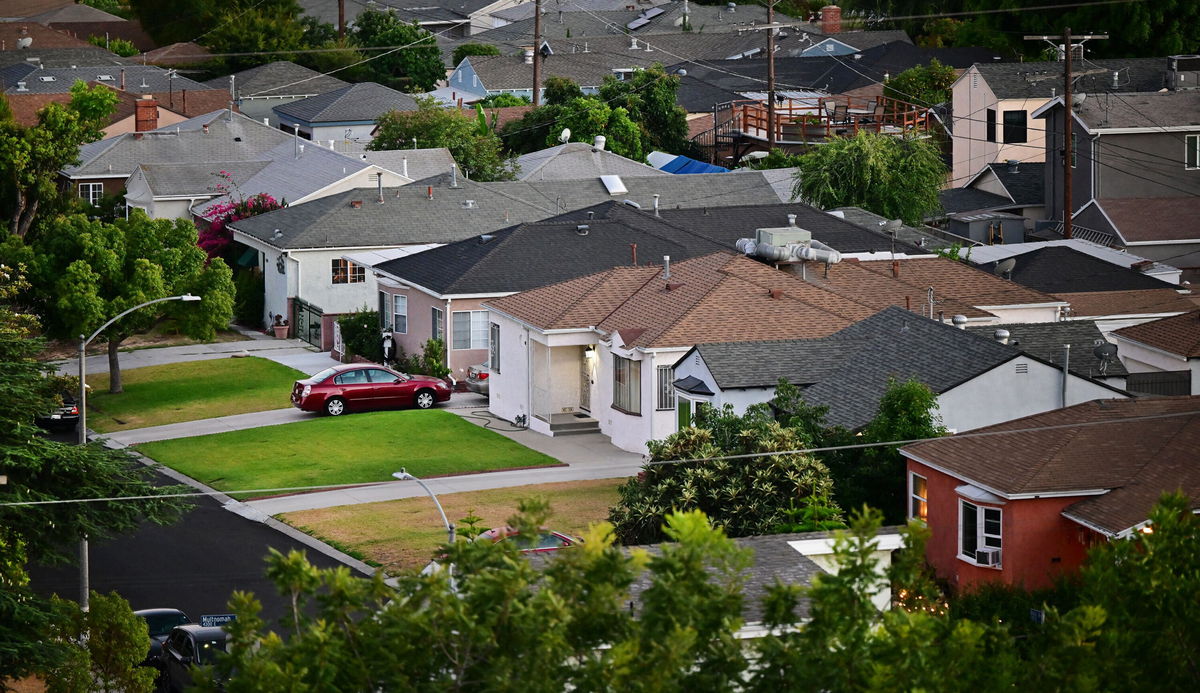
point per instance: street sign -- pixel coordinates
(213, 620)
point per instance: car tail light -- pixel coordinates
(307, 390)
(481, 376)
(74, 410)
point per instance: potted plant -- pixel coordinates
(280, 327)
(810, 125)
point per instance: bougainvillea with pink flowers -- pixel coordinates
(215, 239)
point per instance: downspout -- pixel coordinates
(528, 380)
(446, 329)
(1066, 368)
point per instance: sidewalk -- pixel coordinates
(203, 427)
(289, 352)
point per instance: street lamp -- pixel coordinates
(405, 476)
(84, 587)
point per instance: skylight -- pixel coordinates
(614, 185)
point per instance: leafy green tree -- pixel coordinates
(106, 643)
(924, 85)
(557, 91)
(587, 117)
(120, 46)
(895, 177)
(272, 30)
(465, 49)
(745, 496)
(417, 68)
(89, 271)
(649, 97)
(776, 158)
(479, 154)
(503, 101)
(24, 618)
(31, 157)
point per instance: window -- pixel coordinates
(437, 330)
(400, 313)
(92, 192)
(470, 329)
(991, 125)
(978, 528)
(383, 310)
(1074, 148)
(627, 385)
(1014, 127)
(666, 387)
(346, 272)
(918, 496)
(378, 375)
(351, 378)
(494, 348)
(1191, 156)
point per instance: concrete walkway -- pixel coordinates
(203, 427)
(289, 352)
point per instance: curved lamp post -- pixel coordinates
(84, 587)
(405, 476)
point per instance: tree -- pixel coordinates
(649, 98)
(478, 153)
(122, 47)
(557, 91)
(895, 177)
(923, 85)
(587, 117)
(215, 237)
(31, 157)
(90, 271)
(106, 645)
(465, 49)
(503, 101)
(272, 30)
(416, 68)
(745, 496)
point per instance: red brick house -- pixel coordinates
(1020, 502)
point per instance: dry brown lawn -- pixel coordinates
(404, 534)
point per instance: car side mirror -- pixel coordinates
(398, 380)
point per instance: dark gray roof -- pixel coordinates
(64, 57)
(955, 200)
(1045, 340)
(693, 385)
(1044, 79)
(863, 40)
(536, 254)
(59, 80)
(1152, 110)
(925, 237)
(762, 364)
(1026, 185)
(280, 78)
(408, 217)
(1059, 269)
(361, 102)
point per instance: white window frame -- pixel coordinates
(1191, 147)
(627, 385)
(983, 538)
(915, 499)
(438, 317)
(92, 192)
(477, 330)
(349, 272)
(665, 388)
(399, 313)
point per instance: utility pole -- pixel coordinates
(1068, 148)
(341, 20)
(770, 75)
(537, 53)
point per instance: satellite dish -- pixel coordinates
(25, 42)
(1005, 268)
(565, 136)
(1105, 352)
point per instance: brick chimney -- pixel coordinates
(831, 19)
(146, 114)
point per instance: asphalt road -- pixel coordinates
(193, 565)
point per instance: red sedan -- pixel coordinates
(362, 387)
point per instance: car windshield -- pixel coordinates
(324, 374)
(206, 649)
(161, 624)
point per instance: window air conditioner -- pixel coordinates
(987, 557)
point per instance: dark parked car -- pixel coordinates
(187, 647)
(160, 622)
(477, 379)
(361, 387)
(546, 540)
(63, 417)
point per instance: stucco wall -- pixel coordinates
(324, 133)
(508, 388)
(1138, 358)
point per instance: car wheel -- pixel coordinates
(424, 399)
(335, 406)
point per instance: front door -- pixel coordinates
(585, 384)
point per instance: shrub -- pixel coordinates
(361, 335)
(431, 360)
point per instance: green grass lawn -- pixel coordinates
(157, 395)
(403, 534)
(357, 448)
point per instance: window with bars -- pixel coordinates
(92, 192)
(666, 387)
(627, 385)
(346, 272)
(978, 528)
(400, 313)
(470, 329)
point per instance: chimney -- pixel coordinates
(775, 293)
(122, 79)
(831, 19)
(528, 51)
(205, 126)
(145, 114)
(356, 204)
(633, 251)
(655, 204)
(429, 191)
(666, 268)
(599, 142)
(1001, 336)
(895, 269)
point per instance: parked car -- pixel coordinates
(362, 387)
(477, 379)
(187, 647)
(546, 540)
(160, 622)
(63, 417)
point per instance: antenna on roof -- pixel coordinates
(1005, 268)
(565, 135)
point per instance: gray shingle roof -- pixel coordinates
(422, 163)
(1142, 110)
(281, 78)
(65, 57)
(168, 179)
(365, 101)
(762, 364)
(576, 160)
(1059, 269)
(409, 217)
(1045, 340)
(1039, 80)
(955, 200)
(1026, 185)
(57, 80)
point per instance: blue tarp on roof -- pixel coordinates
(683, 164)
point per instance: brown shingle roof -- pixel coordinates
(961, 282)
(43, 37)
(25, 107)
(863, 282)
(1134, 449)
(1154, 218)
(183, 53)
(1179, 334)
(1138, 302)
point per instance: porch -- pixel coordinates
(562, 382)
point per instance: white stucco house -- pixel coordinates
(1162, 356)
(346, 114)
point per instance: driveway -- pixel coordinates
(289, 352)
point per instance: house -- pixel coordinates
(174, 91)
(600, 349)
(178, 54)
(1163, 356)
(259, 89)
(575, 160)
(1059, 269)
(988, 254)
(1112, 310)
(28, 43)
(348, 113)
(443, 17)
(1021, 502)
(84, 21)
(993, 106)
(1009, 188)
(1090, 355)
(977, 381)
(1136, 163)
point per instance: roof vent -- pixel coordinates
(485, 238)
(21, 86)
(1013, 165)
(277, 235)
(792, 220)
(105, 78)
(631, 203)
(356, 204)
(1001, 336)
(582, 229)
(960, 321)
(47, 78)
(599, 142)
(468, 204)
